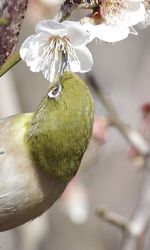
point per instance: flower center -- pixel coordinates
(112, 10)
(59, 55)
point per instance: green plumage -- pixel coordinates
(40, 152)
(60, 129)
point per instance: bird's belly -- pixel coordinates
(25, 193)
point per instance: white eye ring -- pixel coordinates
(55, 91)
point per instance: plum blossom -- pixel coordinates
(75, 202)
(57, 47)
(114, 19)
(51, 2)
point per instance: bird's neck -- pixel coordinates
(57, 140)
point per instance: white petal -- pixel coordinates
(25, 47)
(135, 16)
(35, 66)
(31, 45)
(133, 5)
(52, 2)
(145, 22)
(52, 70)
(31, 51)
(109, 33)
(77, 33)
(48, 74)
(52, 27)
(91, 30)
(85, 58)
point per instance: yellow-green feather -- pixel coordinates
(60, 129)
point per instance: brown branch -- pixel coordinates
(13, 11)
(70, 6)
(139, 221)
(136, 228)
(3, 21)
(112, 218)
(10, 62)
(132, 136)
(67, 8)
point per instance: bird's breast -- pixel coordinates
(26, 191)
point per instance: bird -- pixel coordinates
(41, 151)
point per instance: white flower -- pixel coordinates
(145, 22)
(75, 202)
(57, 47)
(117, 18)
(51, 2)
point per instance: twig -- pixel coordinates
(67, 8)
(134, 238)
(112, 218)
(70, 6)
(3, 21)
(11, 61)
(135, 230)
(132, 136)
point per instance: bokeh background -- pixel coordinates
(108, 175)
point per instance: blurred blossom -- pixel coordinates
(51, 2)
(33, 233)
(98, 139)
(75, 202)
(144, 129)
(114, 19)
(40, 9)
(100, 129)
(57, 47)
(75, 198)
(145, 120)
(138, 160)
(145, 110)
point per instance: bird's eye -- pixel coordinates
(55, 92)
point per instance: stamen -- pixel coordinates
(58, 55)
(111, 10)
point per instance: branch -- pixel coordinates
(112, 218)
(11, 61)
(14, 11)
(134, 231)
(3, 21)
(70, 6)
(67, 8)
(134, 238)
(132, 136)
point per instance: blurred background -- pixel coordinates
(108, 175)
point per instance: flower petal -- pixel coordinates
(108, 33)
(77, 33)
(52, 27)
(31, 51)
(135, 14)
(86, 60)
(145, 22)
(52, 70)
(47, 74)
(25, 47)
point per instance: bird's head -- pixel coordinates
(61, 126)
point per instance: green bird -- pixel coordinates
(40, 152)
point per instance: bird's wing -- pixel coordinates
(15, 166)
(12, 131)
